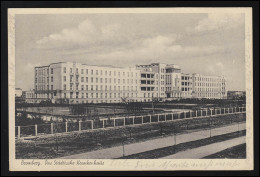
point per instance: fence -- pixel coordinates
(44, 129)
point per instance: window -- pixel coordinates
(96, 87)
(82, 95)
(71, 86)
(91, 79)
(64, 78)
(70, 70)
(64, 87)
(86, 87)
(92, 72)
(77, 70)
(91, 87)
(51, 87)
(82, 71)
(86, 79)
(96, 80)
(96, 95)
(86, 71)
(82, 87)
(82, 79)
(51, 70)
(64, 95)
(51, 79)
(96, 72)
(101, 80)
(64, 70)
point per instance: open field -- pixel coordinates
(64, 144)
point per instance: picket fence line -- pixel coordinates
(119, 121)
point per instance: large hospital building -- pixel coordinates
(70, 82)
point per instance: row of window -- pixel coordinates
(97, 72)
(99, 95)
(208, 79)
(101, 87)
(207, 84)
(100, 80)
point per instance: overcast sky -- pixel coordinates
(210, 44)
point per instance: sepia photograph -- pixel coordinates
(130, 89)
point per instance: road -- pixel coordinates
(129, 149)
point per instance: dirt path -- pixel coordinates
(207, 150)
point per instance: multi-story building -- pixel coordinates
(79, 83)
(209, 86)
(68, 82)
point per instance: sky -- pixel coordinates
(210, 44)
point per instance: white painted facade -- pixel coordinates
(71, 82)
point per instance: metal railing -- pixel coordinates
(103, 123)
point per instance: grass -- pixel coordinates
(59, 145)
(236, 152)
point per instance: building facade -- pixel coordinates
(70, 82)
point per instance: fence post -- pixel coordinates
(124, 121)
(224, 110)
(103, 123)
(142, 117)
(179, 115)
(19, 132)
(51, 128)
(92, 123)
(133, 120)
(150, 118)
(201, 113)
(206, 113)
(80, 125)
(228, 110)
(114, 122)
(66, 126)
(35, 129)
